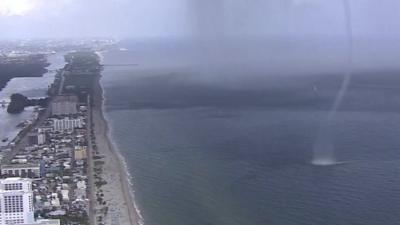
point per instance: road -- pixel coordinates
(90, 166)
(60, 88)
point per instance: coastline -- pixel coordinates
(115, 171)
(36, 89)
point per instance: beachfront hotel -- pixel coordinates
(67, 124)
(16, 201)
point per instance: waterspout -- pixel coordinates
(323, 149)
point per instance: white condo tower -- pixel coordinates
(16, 201)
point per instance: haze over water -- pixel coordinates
(214, 142)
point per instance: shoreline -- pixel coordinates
(15, 85)
(115, 166)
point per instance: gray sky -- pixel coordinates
(152, 18)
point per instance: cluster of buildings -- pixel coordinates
(48, 174)
(46, 46)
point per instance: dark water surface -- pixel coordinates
(216, 143)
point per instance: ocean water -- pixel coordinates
(229, 141)
(33, 87)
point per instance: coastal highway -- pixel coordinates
(92, 196)
(60, 88)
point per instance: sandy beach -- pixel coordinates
(117, 192)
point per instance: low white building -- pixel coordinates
(47, 222)
(80, 191)
(19, 161)
(65, 195)
(21, 170)
(81, 184)
(41, 138)
(55, 202)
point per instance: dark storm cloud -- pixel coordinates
(211, 17)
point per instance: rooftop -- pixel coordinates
(13, 166)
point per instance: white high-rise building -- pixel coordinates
(16, 201)
(67, 124)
